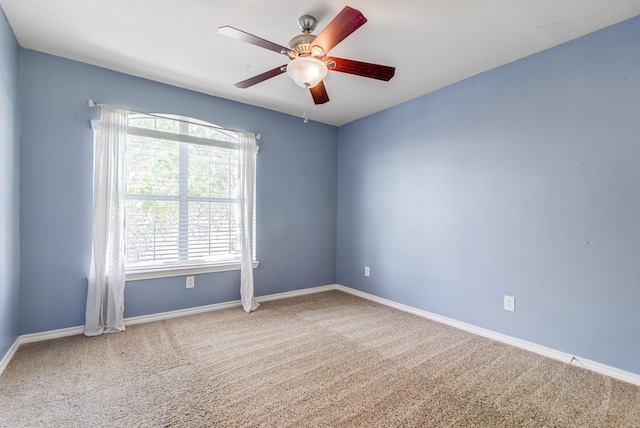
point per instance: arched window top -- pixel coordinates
(181, 125)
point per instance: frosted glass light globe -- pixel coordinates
(307, 71)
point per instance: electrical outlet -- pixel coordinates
(367, 271)
(509, 303)
(191, 282)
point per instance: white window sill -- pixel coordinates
(182, 271)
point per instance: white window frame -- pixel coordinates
(184, 270)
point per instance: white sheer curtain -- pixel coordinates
(246, 187)
(105, 296)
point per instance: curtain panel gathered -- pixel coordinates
(246, 189)
(105, 295)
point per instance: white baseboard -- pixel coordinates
(296, 293)
(180, 313)
(51, 334)
(509, 340)
(226, 305)
(4, 362)
(595, 366)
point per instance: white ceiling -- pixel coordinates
(432, 43)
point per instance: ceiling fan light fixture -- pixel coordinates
(307, 71)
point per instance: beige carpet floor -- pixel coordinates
(323, 360)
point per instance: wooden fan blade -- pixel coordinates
(359, 68)
(319, 93)
(261, 77)
(243, 36)
(345, 23)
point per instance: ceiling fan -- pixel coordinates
(308, 54)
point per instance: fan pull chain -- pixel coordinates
(305, 116)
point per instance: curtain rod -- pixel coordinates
(92, 103)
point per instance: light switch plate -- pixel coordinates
(509, 303)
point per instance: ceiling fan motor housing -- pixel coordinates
(302, 44)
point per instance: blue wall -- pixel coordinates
(525, 181)
(520, 181)
(296, 193)
(9, 186)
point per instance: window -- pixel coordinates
(181, 203)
